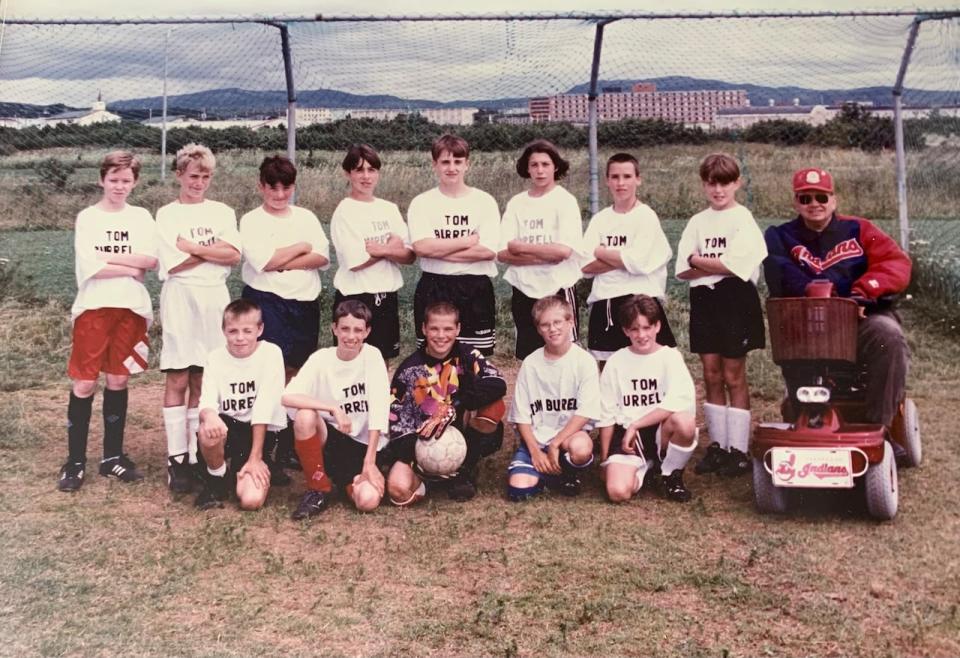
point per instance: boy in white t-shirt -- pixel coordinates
(555, 397)
(239, 405)
(630, 257)
(340, 402)
(454, 230)
(198, 245)
(114, 245)
(541, 238)
(370, 238)
(647, 408)
(720, 254)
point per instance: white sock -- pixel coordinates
(218, 472)
(193, 426)
(175, 422)
(738, 428)
(676, 458)
(716, 417)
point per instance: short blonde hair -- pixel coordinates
(194, 153)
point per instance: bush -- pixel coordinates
(54, 172)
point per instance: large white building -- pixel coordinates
(455, 116)
(96, 114)
(814, 115)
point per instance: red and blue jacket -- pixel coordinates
(859, 258)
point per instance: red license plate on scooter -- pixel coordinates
(819, 468)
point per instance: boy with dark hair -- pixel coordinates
(454, 231)
(339, 402)
(115, 246)
(443, 382)
(239, 406)
(720, 254)
(630, 256)
(198, 245)
(647, 402)
(370, 238)
(283, 248)
(555, 397)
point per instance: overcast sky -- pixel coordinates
(454, 60)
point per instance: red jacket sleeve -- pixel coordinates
(888, 266)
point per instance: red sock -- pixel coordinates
(310, 452)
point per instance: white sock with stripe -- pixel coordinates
(175, 423)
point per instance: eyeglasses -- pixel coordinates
(807, 199)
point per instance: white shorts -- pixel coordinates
(636, 461)
(191, 318)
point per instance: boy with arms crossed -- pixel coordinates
(541, 236)
(198, 245)
(643, 388)
(239, 404)
(720, 254)
(370, 237)
(443, 382)
(557, 393)
(630, 256)
(114, 245)
(340, 401)
(283, 248)
(454, 231)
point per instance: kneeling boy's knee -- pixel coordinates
(305, 423)
(619, 493)
(366, 498)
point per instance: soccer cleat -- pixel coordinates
(713, 461)
(312, 503)
(180, 475)
(213, 494)
(674, 488)
(570, 486)
(737, 463)
(71, 476)
(462, 489)
(652, 478)
(121, 468)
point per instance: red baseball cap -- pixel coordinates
(813, 179)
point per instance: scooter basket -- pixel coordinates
(812, 328)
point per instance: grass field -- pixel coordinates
(131, 570)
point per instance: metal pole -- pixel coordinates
(291, 94)
(592, 109)
(163, 124)
(904, 220)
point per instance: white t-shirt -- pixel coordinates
(432, 214)
(551, 218)
(203, 223)
(248, 389)
(130, 230)
(359, 386)
(632, 385)
(732, 235)
(352, 224)
(262, 234)
(549, 392)
(643, 248)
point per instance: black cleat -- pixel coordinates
(674, 488)
(121, 468)
(737, 463)
(71, 476)
(180, 475)
(462, 489)
(312, 503)
(714, 461)
(213, 494)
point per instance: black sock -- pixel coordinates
(78, 426)
(114, 420)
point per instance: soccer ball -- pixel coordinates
(441, 457)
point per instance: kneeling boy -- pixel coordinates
(239, 403)
(557, 393)
(645, 387)
(340, 401)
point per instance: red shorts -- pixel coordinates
(110, 340)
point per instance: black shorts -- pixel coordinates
(726, 319)
(647, 442)
(193, 370)
(385, 326)
(528, 338)
(239, 442)
(473, 296)
(343, 457)
(291, 325)
(606, 336)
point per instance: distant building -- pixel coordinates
(456, 116)
(216, 124)
(96, 114)
(815, 115)
(691, 108)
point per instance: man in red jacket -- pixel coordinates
(863, 263)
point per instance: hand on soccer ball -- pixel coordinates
(434, 425)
